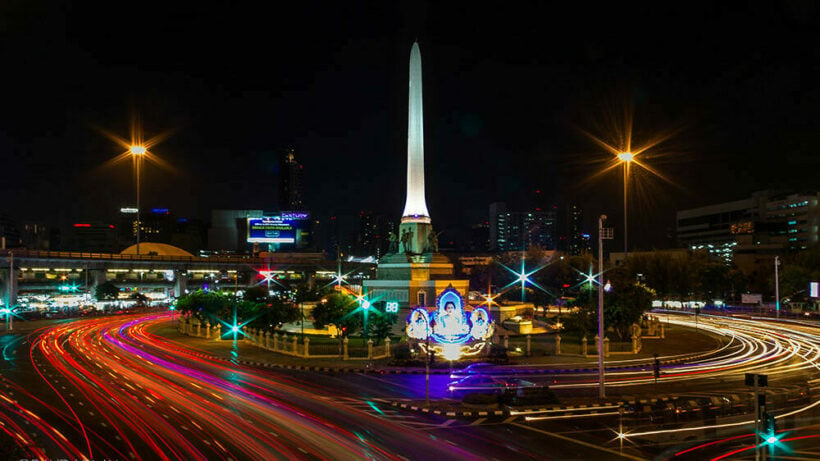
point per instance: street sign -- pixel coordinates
(762, 380)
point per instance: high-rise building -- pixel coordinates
(479, 239)
(9, 233)
(575, 242)
(36, 236)
(714, 228)
(365, 240)
(158, 225)
(91, 236)
(290, 178)
(796, 218)
(519, 230)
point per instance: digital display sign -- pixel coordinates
(285, 227)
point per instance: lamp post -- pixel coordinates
(365, 305)
(777, 286)
(626, 159)
(9, 295)
(137, 153)
(603, 233)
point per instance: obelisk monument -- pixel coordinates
(415, 228)
(413, 273)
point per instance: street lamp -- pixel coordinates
(603, 233)
(365, 305)
(626, 158)
(137, 154)
(777, 286)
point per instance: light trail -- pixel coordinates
(161, 400)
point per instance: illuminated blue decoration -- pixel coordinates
(449, 328)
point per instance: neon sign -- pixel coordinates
(451, 331)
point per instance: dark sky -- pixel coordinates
(507, 87)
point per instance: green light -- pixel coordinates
(771, 440)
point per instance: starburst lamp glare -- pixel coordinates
(626, 156)
(137, 150)
(365, 304)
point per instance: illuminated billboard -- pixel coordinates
(286, 227)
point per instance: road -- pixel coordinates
(110, 388)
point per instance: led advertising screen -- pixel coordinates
(282, 228)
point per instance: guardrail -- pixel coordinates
(284, 258)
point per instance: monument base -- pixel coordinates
(413, 280)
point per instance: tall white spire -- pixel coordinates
(415, 208)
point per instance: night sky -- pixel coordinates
(508, 89)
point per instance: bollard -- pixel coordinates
(584, 346)
(295, 346)
(506, 341)
(284, 342)
(345, 355)
(267, 340)
(606, 346)
(369, 349)
(387, 346)
(663, 332)
(207, 330)
(635, 348)
(198, 327)
(275, 341)
(529, 340)
(307, 347)
(557, 344)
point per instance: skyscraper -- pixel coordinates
(290, 187)
(519, 230)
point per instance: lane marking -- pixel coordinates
(478, 421)
(579, 442)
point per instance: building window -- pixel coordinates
(422, 298)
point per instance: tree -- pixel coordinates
(106, 291)
(380, 326)
(625, 305)
(255, 311)
(340, 310)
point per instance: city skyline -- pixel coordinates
(516, 99)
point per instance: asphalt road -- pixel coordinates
(109, 388)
